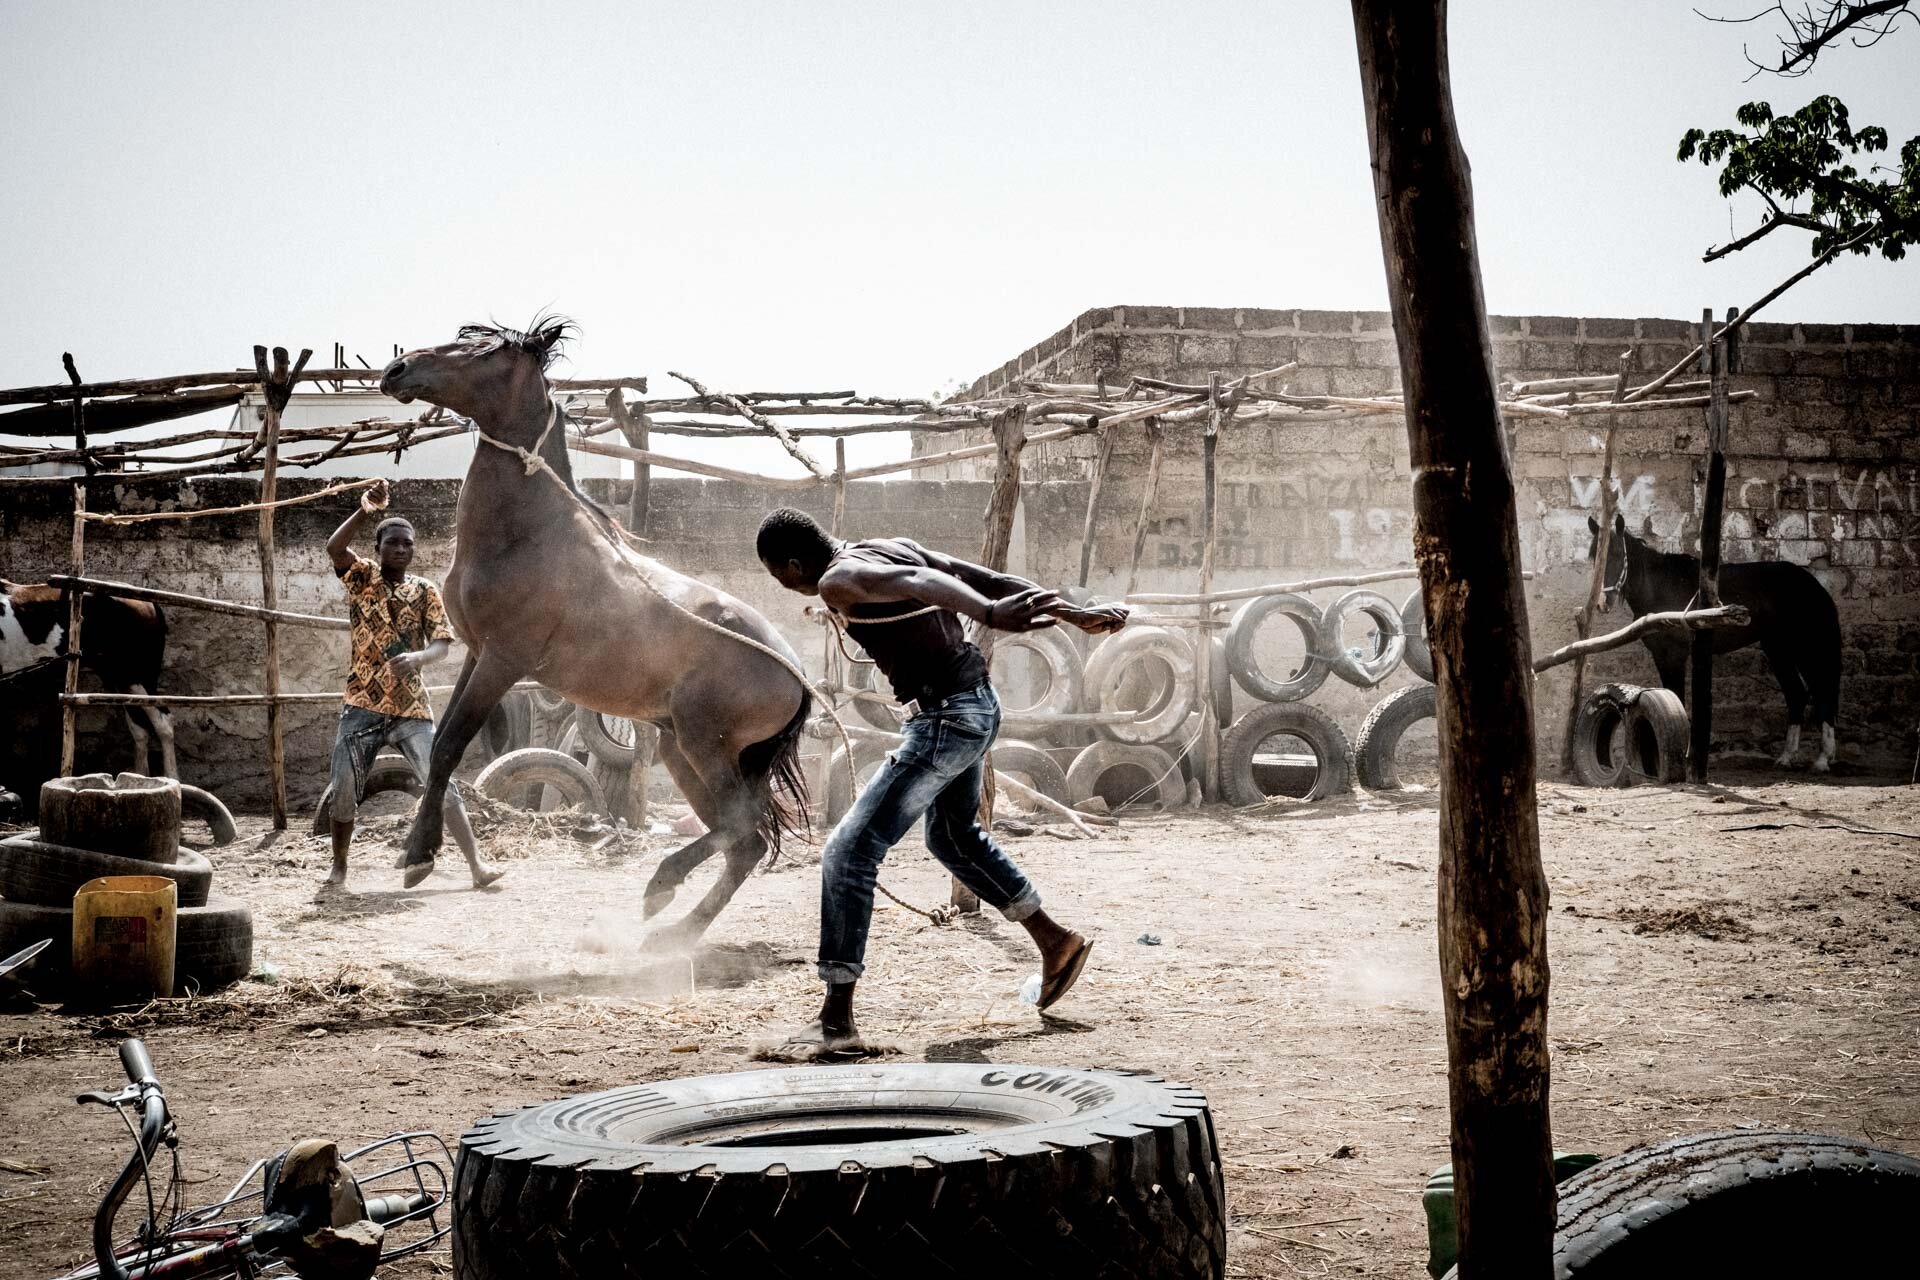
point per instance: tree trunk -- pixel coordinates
(1493, 893)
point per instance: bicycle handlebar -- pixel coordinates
(137, 1062)
(154, 1124)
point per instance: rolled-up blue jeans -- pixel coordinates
(937, 771)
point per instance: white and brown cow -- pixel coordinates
(124, 642)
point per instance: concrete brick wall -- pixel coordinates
(1824, 471)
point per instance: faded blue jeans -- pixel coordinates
(936, 771)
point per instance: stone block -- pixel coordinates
(1374, 321)
(1562, 358)
(1801, 444)
(1265, 353)
(1361, 382)
(1223, 319)
(1816, 334)
(1799, 389)
(1869, 362)
(1656, 330)
(1509, 357)
(1377, 353)
(1209, 351)
(1501, 326)
(1819, 364)
(1326, 352)
(1265, 320)
(1552, 326)
(1326, 322)
(1132, 317)
(1756, 360)
(1801, 551)
(1311, 381)
(1140, 353)
(1762, 331)
(1609, 328)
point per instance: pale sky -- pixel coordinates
(886, 197)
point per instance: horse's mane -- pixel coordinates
(542, 339)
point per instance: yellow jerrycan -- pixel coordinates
(123, 938)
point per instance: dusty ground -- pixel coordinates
(1703, 976)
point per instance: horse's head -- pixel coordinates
(488, 371)
(1614, 578)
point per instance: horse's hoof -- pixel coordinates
(677, 939)
(1821, 766)
(654, 903)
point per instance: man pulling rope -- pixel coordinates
(899, 602)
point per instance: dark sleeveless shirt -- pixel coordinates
(927, 657)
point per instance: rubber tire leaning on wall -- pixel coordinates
(1658, 737)
(1746, 1203)
(1413, 625)
(1109, 665)
(508, 778)
(1305, 615)
(600, 743)
(1310, 724)
(196, 803)
(213, 944)
(1083, 1173)
(1386, 724)
(128, 814)
(1066, 670)
(1033, 764)
(1168, 788)
(1364, 673)
(1599, 736)
(43, 874)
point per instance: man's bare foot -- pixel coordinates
(485, 874)
(335, 878)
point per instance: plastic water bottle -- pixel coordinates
(1030, 990)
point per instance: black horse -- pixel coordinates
(1794, 622)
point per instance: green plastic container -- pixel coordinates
(1443, 1228)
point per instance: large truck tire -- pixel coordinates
(902, 1169)
(1117, 657)
(1164, 786)
(48, 875)
(1032, 764)
(1374, 752)
(1065, 668)
(1324, 740)
(128, 814)
(1746, 1203)
(1413, 625)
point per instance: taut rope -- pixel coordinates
(533, 462)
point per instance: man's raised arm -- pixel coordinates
(340, 545)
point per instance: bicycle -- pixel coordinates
(248, 1233)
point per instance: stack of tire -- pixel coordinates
(1624, 735)
(126, 825)
(549, 752)
(1249, 773)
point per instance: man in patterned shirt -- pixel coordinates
(398, 626)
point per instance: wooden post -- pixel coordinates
(1596, 587)
(839, 484)
(1099, 479)
(276, 388)
(1714, 359)
(1147, 496)
(1009, 438)
(1493, 892)
(1208, 744)
(633, 429)
(69, 711)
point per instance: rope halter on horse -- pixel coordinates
(529, 458)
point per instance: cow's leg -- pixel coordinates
(484, 682)
(1786, 673)
(676, 866)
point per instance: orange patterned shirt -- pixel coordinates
(387, 620)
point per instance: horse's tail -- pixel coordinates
(772, 769)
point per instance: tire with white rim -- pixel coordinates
(1245, 666)
(1151, 776)
(1127, 654)
(1413, 625)
(508, 778)
(1389, 641)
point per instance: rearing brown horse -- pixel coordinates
(544, 586)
